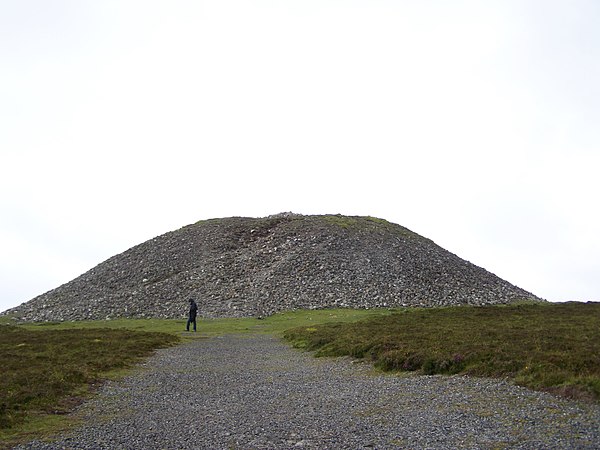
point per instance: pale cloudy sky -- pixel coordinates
(473, 123)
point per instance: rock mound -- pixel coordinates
(238, 266)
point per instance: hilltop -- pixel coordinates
(238, 266)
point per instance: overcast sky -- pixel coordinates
(473, 123)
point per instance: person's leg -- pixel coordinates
(187, 327)
(194, 324)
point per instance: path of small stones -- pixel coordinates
(255, 392)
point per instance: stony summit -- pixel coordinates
(237, 267)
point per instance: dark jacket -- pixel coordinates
(193, 309)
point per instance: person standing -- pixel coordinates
(192, 315)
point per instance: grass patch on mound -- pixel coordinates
(554, 347)
(46, 372)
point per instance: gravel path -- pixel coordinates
(254, 392)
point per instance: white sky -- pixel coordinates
(473, 123)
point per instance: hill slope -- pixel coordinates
(253, 267)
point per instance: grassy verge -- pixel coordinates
(46, 372)
(553, 347)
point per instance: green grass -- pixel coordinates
(553, 347)
(45, 372)
(274, 324)
(278, 323)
